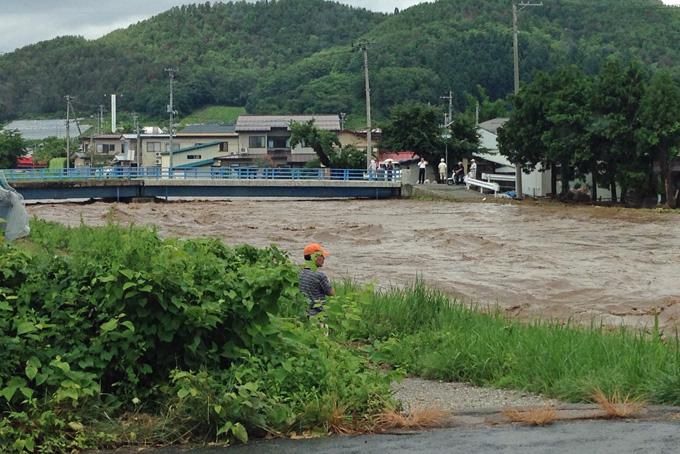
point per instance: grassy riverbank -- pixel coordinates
(113, 336)
(422, 332)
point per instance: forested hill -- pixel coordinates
(296, 56)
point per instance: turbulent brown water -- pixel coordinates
(548, 261)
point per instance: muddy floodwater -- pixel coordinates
(548, 261)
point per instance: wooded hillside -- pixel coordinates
(296, 56)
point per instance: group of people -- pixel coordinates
(378, 172)
(458, 173)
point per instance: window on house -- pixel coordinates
(175, 146)
(257, 142)
(153, 146)
(106, 148)
(278, 142)
(224, 146)
(193, 156)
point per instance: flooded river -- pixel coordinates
(548, 261)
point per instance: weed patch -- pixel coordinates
(422, 332)
(618, 406)
(427, 418)
(542, 416)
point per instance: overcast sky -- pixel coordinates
(25, 22)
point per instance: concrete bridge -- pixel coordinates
(130, 183)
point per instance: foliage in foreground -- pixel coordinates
(105, 327)
(422, 332)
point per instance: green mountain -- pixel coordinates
(296, 56)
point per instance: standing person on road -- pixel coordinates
(443, 170)
(473, 169)
(422, 165)
(458, 173)
(372, 167)
(389, 167)
(313, 283)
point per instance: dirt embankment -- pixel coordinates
(555, 261)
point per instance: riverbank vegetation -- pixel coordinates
(422, 332)
(619, 127)
(113, 336)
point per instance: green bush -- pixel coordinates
(115, 320)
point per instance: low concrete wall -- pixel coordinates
(164, 188)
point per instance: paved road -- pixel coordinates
(600, 437)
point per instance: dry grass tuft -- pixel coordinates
(617, 406)
(541, 416)
(340, 423)
(417, 419)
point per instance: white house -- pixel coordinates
(535, 184)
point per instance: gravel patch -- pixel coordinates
(417, 393)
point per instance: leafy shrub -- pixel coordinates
(97, 320)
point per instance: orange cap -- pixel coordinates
(312, 248)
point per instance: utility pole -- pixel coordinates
(450, 99)
(363, 46)
(515, 48)
(68, 131)
(171, 73)
(448, 120)
(138, 151)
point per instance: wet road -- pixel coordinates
(602, 437)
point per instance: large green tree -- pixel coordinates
(12, 146)
(464, 140)
(615, 103)
(321, 141)
(51, 147)
(549, 125)
(567, 120)
(521, 137)
(415, 127)
(660, 131)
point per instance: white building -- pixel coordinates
(534, 184)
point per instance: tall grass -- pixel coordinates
(422, 331)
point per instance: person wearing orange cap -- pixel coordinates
(313, 283)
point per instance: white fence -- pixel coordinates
(495, 187)
(498, 177)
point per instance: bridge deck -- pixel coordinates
(120, 189)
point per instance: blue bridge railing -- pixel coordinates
(214, 173)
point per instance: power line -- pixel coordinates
(515, 51)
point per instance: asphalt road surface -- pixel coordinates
(615, 437)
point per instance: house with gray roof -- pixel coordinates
(267, 137)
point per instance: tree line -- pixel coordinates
(296, 56)
(621, 125)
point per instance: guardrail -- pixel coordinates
(498, 177)
(495, 187)
(214, 173)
